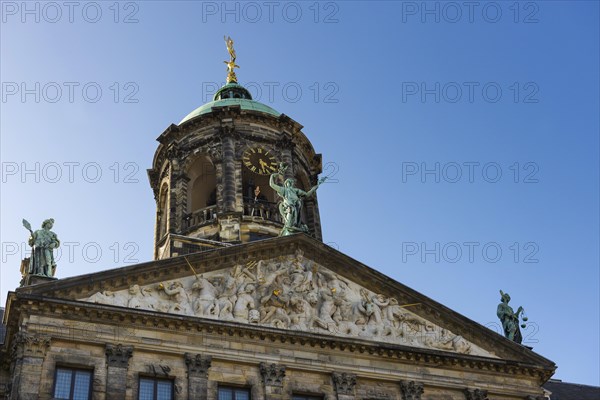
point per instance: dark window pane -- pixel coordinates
(242, 395)
(225, 394)
(74, 380)
(146, 389)
(164, 390)
(82, 385)
(62, 388)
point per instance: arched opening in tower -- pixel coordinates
(259, 199)
(202, 189)
(163, 210)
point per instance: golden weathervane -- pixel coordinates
(231, 63)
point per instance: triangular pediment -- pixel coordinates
(294, 284)
(291, 292)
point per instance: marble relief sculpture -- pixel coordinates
(290, 293)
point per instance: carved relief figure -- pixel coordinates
(273, 309)
(205, 303)
(245, 302)
(137, 297)
(178, 296)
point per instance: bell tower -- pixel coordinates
(211, 174)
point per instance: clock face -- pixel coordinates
(260, 161)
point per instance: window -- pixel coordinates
(155, 389)
(228, 393)
(72, 384)
(303, 397)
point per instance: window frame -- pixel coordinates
(155, 380)
(235, 388)
(73, 370)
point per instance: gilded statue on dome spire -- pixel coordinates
(231, 63)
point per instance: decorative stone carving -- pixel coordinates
(158, 369)
(118, 355)
(344, 383)
(411, 390)
(476, 394)
(198, 364)
(30, 344)
(272, 374)
(291, 292)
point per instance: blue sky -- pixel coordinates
(462, 143)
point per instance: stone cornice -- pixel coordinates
(138, 319)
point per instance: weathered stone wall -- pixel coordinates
(198, 362)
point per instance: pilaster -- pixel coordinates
(28, 353)
(344, 385)
(476, 394)
(411, 390)
(272, 376)
(117, 362)
(197, 368)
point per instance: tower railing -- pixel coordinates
(201, 217)
(261, 209)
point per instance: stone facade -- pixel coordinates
(50, 326)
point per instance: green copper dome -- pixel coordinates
(231, 94)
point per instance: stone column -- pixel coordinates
(344, 385)
(272, 376)
(179, 200)
(411, 390)
(117, 361)
(28, 353)
(286, 148)
(197, 366)
(228, 171)
(475, 394)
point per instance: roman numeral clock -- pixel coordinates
(260, 160)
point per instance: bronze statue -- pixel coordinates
(43, 241)
(510, 319)
(290, 207)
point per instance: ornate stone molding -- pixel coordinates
(118, 355)
(344, 383)
(198, 364)
(29, 344)
(411, 390)
(476, 394)
(272, 374)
